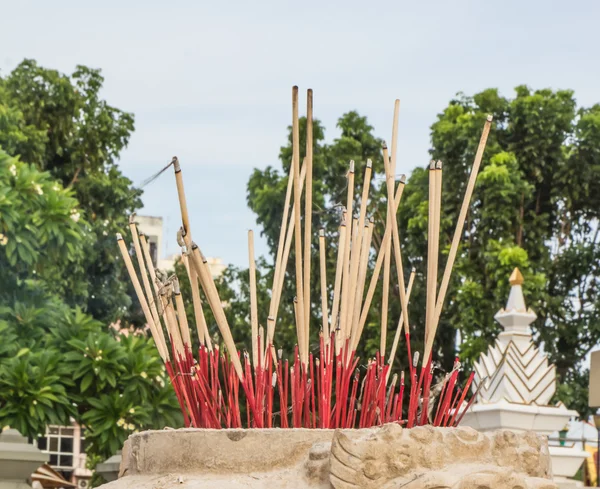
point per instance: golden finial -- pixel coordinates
(516, 278)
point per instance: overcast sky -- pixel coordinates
(210, 82)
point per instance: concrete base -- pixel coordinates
(386, 457)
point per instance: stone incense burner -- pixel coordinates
(385, 457)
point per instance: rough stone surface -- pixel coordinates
(386, 457)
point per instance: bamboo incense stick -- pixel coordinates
(140, 295)
(388, 249)
(181, 315)
(346, 262)
(323, 273)
(357, 249)
(253, 299)
(430, 284)
(360, 285)
(459, 227)
(380, 256)
(392, 356)
(338, 273)
(201, 326)
(276, 293)
(206, 279)
(396, 238)
(148, 260)
(308, 216)
(298, 228)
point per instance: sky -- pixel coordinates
(211, 82)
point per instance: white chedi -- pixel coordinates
(513, 369)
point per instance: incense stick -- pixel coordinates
(459, 227)
(140, 295)
(298, 228)
(308, 216)
(392, 356)
(346, 261)
(323, 272)
(253, 300)
(388, 249)
(357, 249)
(338, 274)
(201, 326)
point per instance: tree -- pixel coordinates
(60, 124)
(57, 362)
(535, 206)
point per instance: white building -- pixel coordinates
(153, 228)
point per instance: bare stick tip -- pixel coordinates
(490, 118)
(295, 89)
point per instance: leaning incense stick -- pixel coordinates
(157, 296)
(377, 270)
(396, 238)
(140, 295)
(201, 326)
(298, 228)
(459, 227)
(308, 216)
(357, 249)
(276, 293)
(271, 320)
(253, 299)
(392, 356)
(323, 273)
(206, 279)
(360, 284)
(181, 315)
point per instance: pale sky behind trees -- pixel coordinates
(211, 82)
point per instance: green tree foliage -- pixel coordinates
(535, 206)
(59, 124)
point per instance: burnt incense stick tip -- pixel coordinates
(402, 179)
(119, 237)
(274, 379)
(438, 165)
(176, 289)
(322, 233)
(369, 164)
(432, 165)
(384, 145)
(416, 359)
(132, 218)
(351, 170)
(280, 354)
(490, 117)
(413, 270)
(402, 376)
(175, 163)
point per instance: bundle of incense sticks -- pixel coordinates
(328, 387)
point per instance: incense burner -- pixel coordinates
(385, 457)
